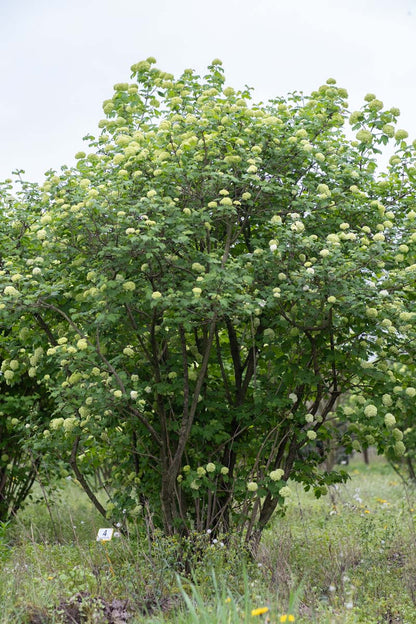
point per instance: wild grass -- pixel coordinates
(347, 558)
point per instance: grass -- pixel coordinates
(347, 558)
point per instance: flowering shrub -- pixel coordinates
(216, 275)
(24, 411)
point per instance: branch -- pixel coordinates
(187, 419)
(331, 338)
(82, 480)
(185, 371)
(222, 369)
(235, 354)
(45, 328)
(133, 411)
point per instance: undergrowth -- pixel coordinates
(346, 558)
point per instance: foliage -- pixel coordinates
(203, 289)
(23, 409)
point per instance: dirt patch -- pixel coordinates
(83, 608)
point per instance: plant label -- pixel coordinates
(104, 535)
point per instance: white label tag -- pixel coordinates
(104, 535)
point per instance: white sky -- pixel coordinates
(59, 59)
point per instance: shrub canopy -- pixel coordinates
(200, 294)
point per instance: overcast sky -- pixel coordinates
(60, 58)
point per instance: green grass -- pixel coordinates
(347, 558)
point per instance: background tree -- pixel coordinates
(205, 285)
(24, 409)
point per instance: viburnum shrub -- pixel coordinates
(23, 409)
(221, 290)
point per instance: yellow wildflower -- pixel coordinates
(259, 611)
